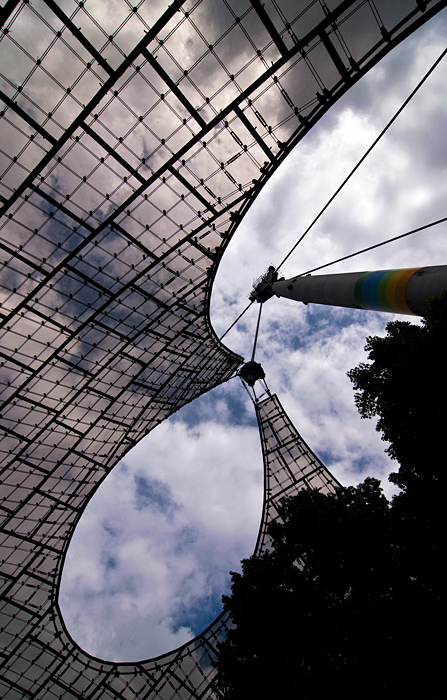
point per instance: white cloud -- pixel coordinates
(157, 541)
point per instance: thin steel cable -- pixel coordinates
(392, 120)
(238, 318)
(256, 334)
(371, 247)
(382, 133)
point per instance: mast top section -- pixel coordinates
(402, 291)
(262, 286)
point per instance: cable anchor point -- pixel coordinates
(261, 290)
(250, 372)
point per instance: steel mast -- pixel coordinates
(403, 291)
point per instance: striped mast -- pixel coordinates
(403, 291)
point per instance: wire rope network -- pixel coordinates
(131, 150)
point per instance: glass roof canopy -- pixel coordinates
(133, 140)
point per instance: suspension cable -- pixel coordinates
(256, 334)
(372, 247)
(382, 133)
(238, 318)
(392, 120)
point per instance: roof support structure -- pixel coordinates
(108, 266)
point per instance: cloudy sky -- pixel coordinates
(150, 558)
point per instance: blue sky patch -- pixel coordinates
(198, 614)
(228, 398)
(154, 494)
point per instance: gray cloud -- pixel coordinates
(154, 494)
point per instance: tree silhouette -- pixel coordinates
(350, 599)
(405, 385)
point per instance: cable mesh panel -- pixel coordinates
(132, 144)
(289, 463)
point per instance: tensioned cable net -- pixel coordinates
(133, 141)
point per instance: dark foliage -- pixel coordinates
(350, 600)
(405, 386)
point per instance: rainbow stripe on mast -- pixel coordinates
(384, 290)
(404, 291)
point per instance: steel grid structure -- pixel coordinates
(289, 463)
(132, 144)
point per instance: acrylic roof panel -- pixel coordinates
(132, 141)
